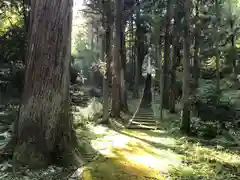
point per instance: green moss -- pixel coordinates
(115, 169)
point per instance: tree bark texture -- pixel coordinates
(137, 59)
(185, 121)
(196, 62)
(217, 47)
(107, 56)
(116, 88)
(167, 43)
(174, 63)
(124, 105)
(44, 129)
(147, 94)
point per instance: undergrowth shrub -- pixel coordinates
(213, 108)
(12, 45)
(207, 130)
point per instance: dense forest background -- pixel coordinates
(160, 75)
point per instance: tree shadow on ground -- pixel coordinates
(198, 159)
(113, 154)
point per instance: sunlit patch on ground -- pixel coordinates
(132, 153)
(156, 155)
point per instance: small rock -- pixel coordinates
(78, 174)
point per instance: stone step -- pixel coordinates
(145, 113)
(144, 120)
(133, 126)
(144, 117)
(145, 109)
(147, 123)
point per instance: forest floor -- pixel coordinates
(120, 154)
(159, 154)
(115, 153)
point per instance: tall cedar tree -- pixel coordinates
(43, 129)
(107, 48)
(185, 121)
(116, 89)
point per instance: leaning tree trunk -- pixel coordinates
(44, 129)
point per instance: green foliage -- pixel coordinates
(12, 45)
(212, 106)
(11, 15)
(207, 130)
(81, 50)
(12, 36)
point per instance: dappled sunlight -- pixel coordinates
(117, 169)
(106, 144)
(156, 154)
(214, 155)
(207, 162)
(132, 152)
(100, 130)
(148, 157)
(154, 137)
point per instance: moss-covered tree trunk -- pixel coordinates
(44, 129)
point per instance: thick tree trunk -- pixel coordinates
(161, 78)
(124, 105)
(137, 59)
(147, 94)
(176, 46)
(196, 47)
(43, 129)
(106, 78)
(217, 47)
(233, 43)
(185, 121)
(132, 57)
(167, 43)
(105, 116)
(92, 78)
(26, 14)
(116, 89)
